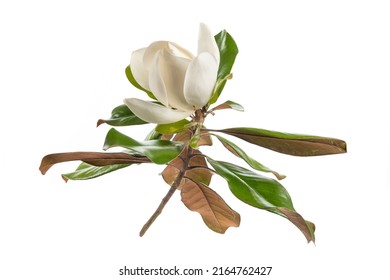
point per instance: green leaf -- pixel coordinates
(158, 151)
(153, 135)
(172, 128)
(287, 143)
(229, 105)
(132, 80)
(234, 149)
(262, 192)
(122, 116)
(228, 51)
(87, 171)
(194, 141)
(252, 188)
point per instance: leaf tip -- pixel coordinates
(279, 176)
(344, 146)
(45, 164)
(64, 178)
(99, 122)
(42, 169)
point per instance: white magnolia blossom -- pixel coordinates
(180, 81)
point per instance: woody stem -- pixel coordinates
(171, 191)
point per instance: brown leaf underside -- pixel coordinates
(196, 170)
(197, 165)
(222, 106)
(185, 136)
(299, 222)
(93, 158)
(216, 214)
(295, 147)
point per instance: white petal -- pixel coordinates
(173, 70)
(207, 43)
(156, 82)
(200, 80)
(166, 72)
(152, 50)
(155, 113)
(177, 50)
(138, 69)
(158, 46)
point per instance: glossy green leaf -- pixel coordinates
(87, 171)
(92, 158)
(172, 128)
(158, 151)
(194, 141)
(122, 116)
(233, 148)
(153, 135)
(132, 80)
(229, 105)
(228, 51)
(262, 192)
(287, 143)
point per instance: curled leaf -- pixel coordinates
(287, 143)
(92, 158)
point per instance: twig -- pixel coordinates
(158, 210)
(171, 191)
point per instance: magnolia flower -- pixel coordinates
(180, 81)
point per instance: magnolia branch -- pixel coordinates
(171, 191)
(158, 210)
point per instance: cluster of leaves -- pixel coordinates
(189, 171)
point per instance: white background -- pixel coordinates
(314, 67)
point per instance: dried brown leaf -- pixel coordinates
(93, 158)
(216, 214)
(196, 168)
(205, 140)
(287, 143)
(185, 137)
